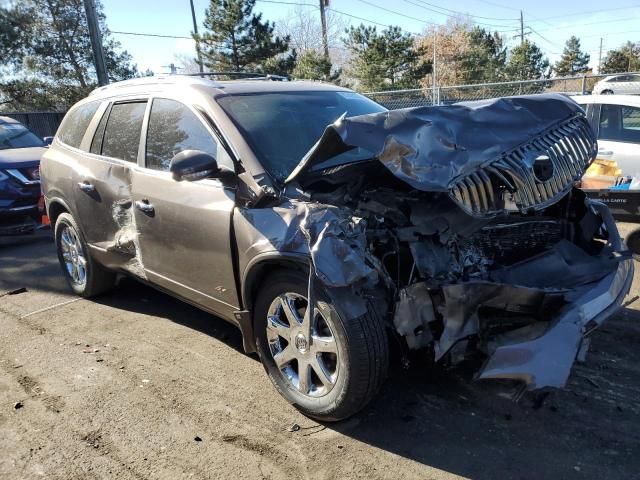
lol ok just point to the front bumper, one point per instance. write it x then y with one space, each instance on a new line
547 360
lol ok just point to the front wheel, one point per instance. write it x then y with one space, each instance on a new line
327 365
83 274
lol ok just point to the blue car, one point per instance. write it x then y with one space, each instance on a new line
20 153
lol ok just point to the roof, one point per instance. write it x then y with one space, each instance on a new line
631 100
138 85
8 120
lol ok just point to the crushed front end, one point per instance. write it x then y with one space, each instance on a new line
470 223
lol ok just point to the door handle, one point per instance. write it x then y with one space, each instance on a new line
145 207
606 153
86 187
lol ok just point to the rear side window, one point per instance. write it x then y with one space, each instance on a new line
620 123
75 123
172 129
122 132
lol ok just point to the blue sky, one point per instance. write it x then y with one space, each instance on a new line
552 21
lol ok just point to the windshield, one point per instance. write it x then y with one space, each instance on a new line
282 127
15 135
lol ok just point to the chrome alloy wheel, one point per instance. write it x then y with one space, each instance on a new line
303 346
73 255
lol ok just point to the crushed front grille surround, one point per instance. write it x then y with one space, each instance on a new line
532 176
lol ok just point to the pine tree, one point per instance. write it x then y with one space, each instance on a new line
386 59
237 39
623 59
46 52
312 65
526 62
485 58
573 60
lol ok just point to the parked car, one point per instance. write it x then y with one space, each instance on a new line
327 228
20 153
627 83
615 176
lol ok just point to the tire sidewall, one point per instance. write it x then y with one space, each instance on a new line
63 220
312 406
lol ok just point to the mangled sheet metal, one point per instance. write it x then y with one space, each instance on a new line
513 153
465 228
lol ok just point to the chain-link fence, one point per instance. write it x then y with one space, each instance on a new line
623 83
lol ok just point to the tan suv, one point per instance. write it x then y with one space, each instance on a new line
328 229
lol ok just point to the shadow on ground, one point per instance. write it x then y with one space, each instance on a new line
440 417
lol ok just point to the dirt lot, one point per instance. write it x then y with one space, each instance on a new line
138 385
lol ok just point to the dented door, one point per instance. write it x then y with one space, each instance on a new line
184 237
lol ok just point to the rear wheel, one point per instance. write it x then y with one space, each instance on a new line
86 277
325 364
607 92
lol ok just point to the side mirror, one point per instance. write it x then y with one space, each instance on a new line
191 165
47 140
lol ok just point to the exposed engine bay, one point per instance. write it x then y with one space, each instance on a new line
505 259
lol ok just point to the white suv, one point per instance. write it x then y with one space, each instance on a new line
619 84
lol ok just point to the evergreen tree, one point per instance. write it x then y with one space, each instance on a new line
623 59
313 65
47 55
484 59
386 59
573 59
237 39
526 62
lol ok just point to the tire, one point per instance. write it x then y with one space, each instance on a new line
340 384
633 242
606 92
85 277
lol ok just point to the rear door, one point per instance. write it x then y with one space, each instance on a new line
619 137
184 227
103 185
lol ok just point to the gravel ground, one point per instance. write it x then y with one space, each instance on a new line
135 384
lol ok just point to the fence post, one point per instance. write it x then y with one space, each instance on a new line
584 84
439 87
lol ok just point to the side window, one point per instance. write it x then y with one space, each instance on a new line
98 136
172 129
75 123
609 122
630 124
620 123
122 131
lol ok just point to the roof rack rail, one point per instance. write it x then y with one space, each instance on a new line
243 75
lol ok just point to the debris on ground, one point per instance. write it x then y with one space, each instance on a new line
18 405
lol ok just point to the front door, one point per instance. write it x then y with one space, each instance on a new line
184 228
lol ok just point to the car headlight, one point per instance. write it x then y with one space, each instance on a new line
3 176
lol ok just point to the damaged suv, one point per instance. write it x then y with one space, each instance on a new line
329 229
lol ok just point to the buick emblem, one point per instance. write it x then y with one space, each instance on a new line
301 343
543 168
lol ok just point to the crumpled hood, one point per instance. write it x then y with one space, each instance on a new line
21 157
430 147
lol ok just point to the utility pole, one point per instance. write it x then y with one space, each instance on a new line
600 58
195 32
96 42
323 21
521 28
433 67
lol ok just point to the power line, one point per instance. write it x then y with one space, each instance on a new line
150 35
339 12
467 13
450 15
294 4
584 12
397 13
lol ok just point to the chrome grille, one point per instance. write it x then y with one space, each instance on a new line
512 183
